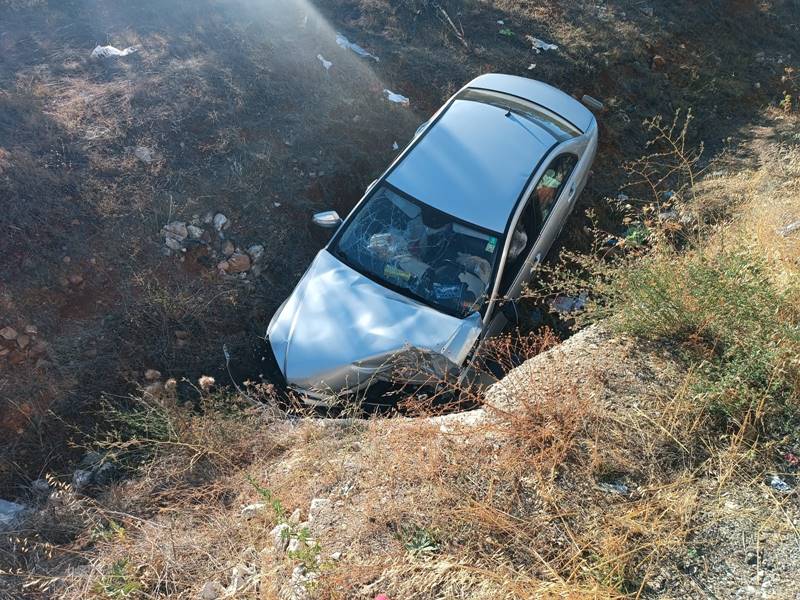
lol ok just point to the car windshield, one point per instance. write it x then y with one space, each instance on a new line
420 251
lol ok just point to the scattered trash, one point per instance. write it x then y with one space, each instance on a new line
348 45
569 304
395 146
792 459
789 229
106 51
144 154
506 32
325 63
501 22
396 98
614 488
592 103
539 45
10 513
531 66
778 484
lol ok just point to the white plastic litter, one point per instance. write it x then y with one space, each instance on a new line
348 45
395 146
539 45
325 63
569 304
531 66
106 51
789 229
501 22
396 98
779 484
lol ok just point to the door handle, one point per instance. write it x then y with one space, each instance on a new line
571 192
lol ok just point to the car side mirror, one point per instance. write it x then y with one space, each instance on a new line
328 219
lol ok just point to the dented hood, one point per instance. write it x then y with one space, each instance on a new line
339 328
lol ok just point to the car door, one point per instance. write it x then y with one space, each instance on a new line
546 209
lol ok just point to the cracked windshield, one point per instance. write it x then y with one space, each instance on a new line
422 252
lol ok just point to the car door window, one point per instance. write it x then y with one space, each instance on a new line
538 207
551 184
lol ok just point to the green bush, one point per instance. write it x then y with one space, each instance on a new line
726 313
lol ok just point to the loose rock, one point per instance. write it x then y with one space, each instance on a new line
220 221
212 590
176 229
658 63
256 251
40 487
80 479
8 333
194 232
251 510
144 154
75 279
152 375
238 263
279 538
23 341
317 506
228 248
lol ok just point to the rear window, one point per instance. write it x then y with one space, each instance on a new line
547 120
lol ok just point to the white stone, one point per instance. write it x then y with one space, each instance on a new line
220 221
144 154
256 251
212 590
251 510
317 506
172 243
279 538
176 229
194 232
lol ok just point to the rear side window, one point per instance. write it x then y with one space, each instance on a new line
551 184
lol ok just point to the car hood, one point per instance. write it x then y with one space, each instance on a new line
339 328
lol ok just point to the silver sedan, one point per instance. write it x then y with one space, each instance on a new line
424 268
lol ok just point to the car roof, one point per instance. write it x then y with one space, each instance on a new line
473 163
540 93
